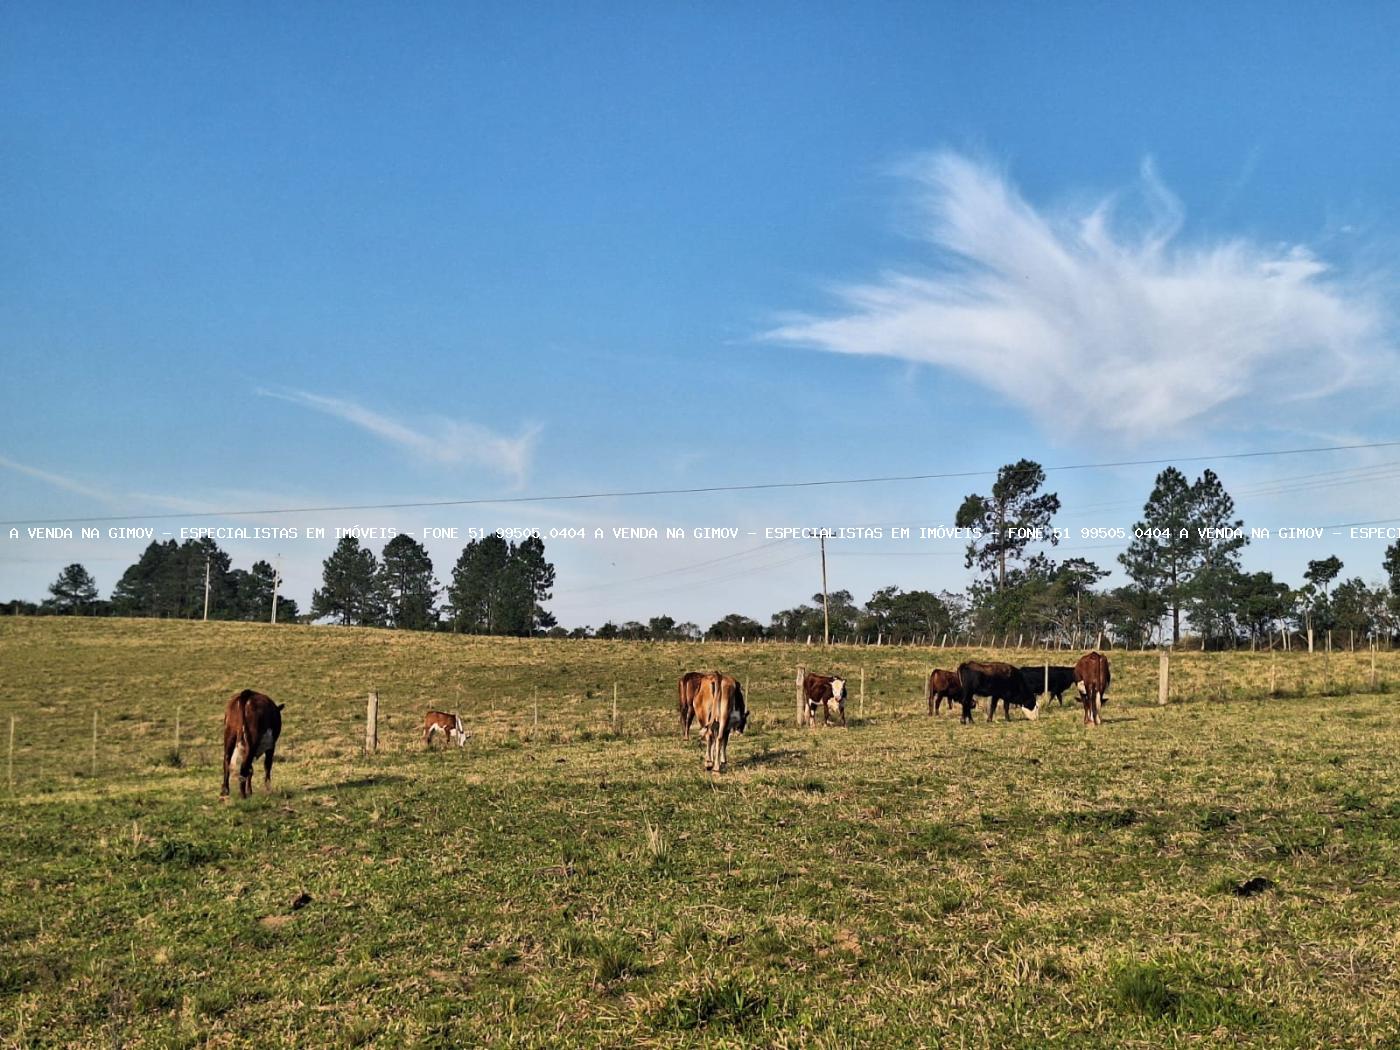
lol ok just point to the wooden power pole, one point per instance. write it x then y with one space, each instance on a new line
276 582
826 610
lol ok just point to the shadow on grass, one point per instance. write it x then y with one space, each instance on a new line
358 782
769 758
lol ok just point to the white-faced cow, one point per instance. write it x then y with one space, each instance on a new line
252 724
1061 681
996 681
823 690
720 710
1092 676
448 723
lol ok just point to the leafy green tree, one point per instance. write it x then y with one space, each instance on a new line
1358 608
1260 603
1187 531
734 626
349 589
168 580
74 592
1008 519
1132 613
407 585
897 613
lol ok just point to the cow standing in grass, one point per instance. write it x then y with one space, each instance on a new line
942 685
1092 676
996 681
252 724
448 723
686 691
823 690
720 710
1061 681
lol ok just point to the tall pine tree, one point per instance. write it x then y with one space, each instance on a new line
1008 518
350 587
407 585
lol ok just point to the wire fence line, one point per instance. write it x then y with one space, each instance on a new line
56 747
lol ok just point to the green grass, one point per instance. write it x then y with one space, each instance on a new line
909 881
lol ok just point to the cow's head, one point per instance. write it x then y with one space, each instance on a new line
458 735
738 716
838 690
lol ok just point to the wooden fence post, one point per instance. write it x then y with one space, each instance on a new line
177 731
862 692
1373 682
10 763
1273 673
536 727
614 718
94 742
1163 677
372 723
801 707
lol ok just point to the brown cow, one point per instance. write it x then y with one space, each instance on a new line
1092 676
943 685
824 690
449 724
720 709
252 724
687 689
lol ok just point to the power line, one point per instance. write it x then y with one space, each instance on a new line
700 490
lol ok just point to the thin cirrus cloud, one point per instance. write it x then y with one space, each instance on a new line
1110 322
445 441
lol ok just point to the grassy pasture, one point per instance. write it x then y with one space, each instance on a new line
1221 871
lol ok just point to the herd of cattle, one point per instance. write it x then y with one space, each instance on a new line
252 722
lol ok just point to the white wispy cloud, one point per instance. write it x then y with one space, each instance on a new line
1101 315
434 440
60 481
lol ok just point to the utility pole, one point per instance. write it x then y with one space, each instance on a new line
206 587
276 582
826 610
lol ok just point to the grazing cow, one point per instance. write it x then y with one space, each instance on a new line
448 723
997 681
1061 681
720 709
823 690
1092 676
687 689
252 724
942 685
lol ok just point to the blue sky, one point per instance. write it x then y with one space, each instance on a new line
333 254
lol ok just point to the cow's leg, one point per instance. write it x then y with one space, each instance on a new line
930 704
267 768
991 708
966 711
1098 708
228 756
723 749
841 710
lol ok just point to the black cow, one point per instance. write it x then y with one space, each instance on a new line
1061 681
996 681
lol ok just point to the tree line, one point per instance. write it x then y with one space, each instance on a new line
1183 565
1182 562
